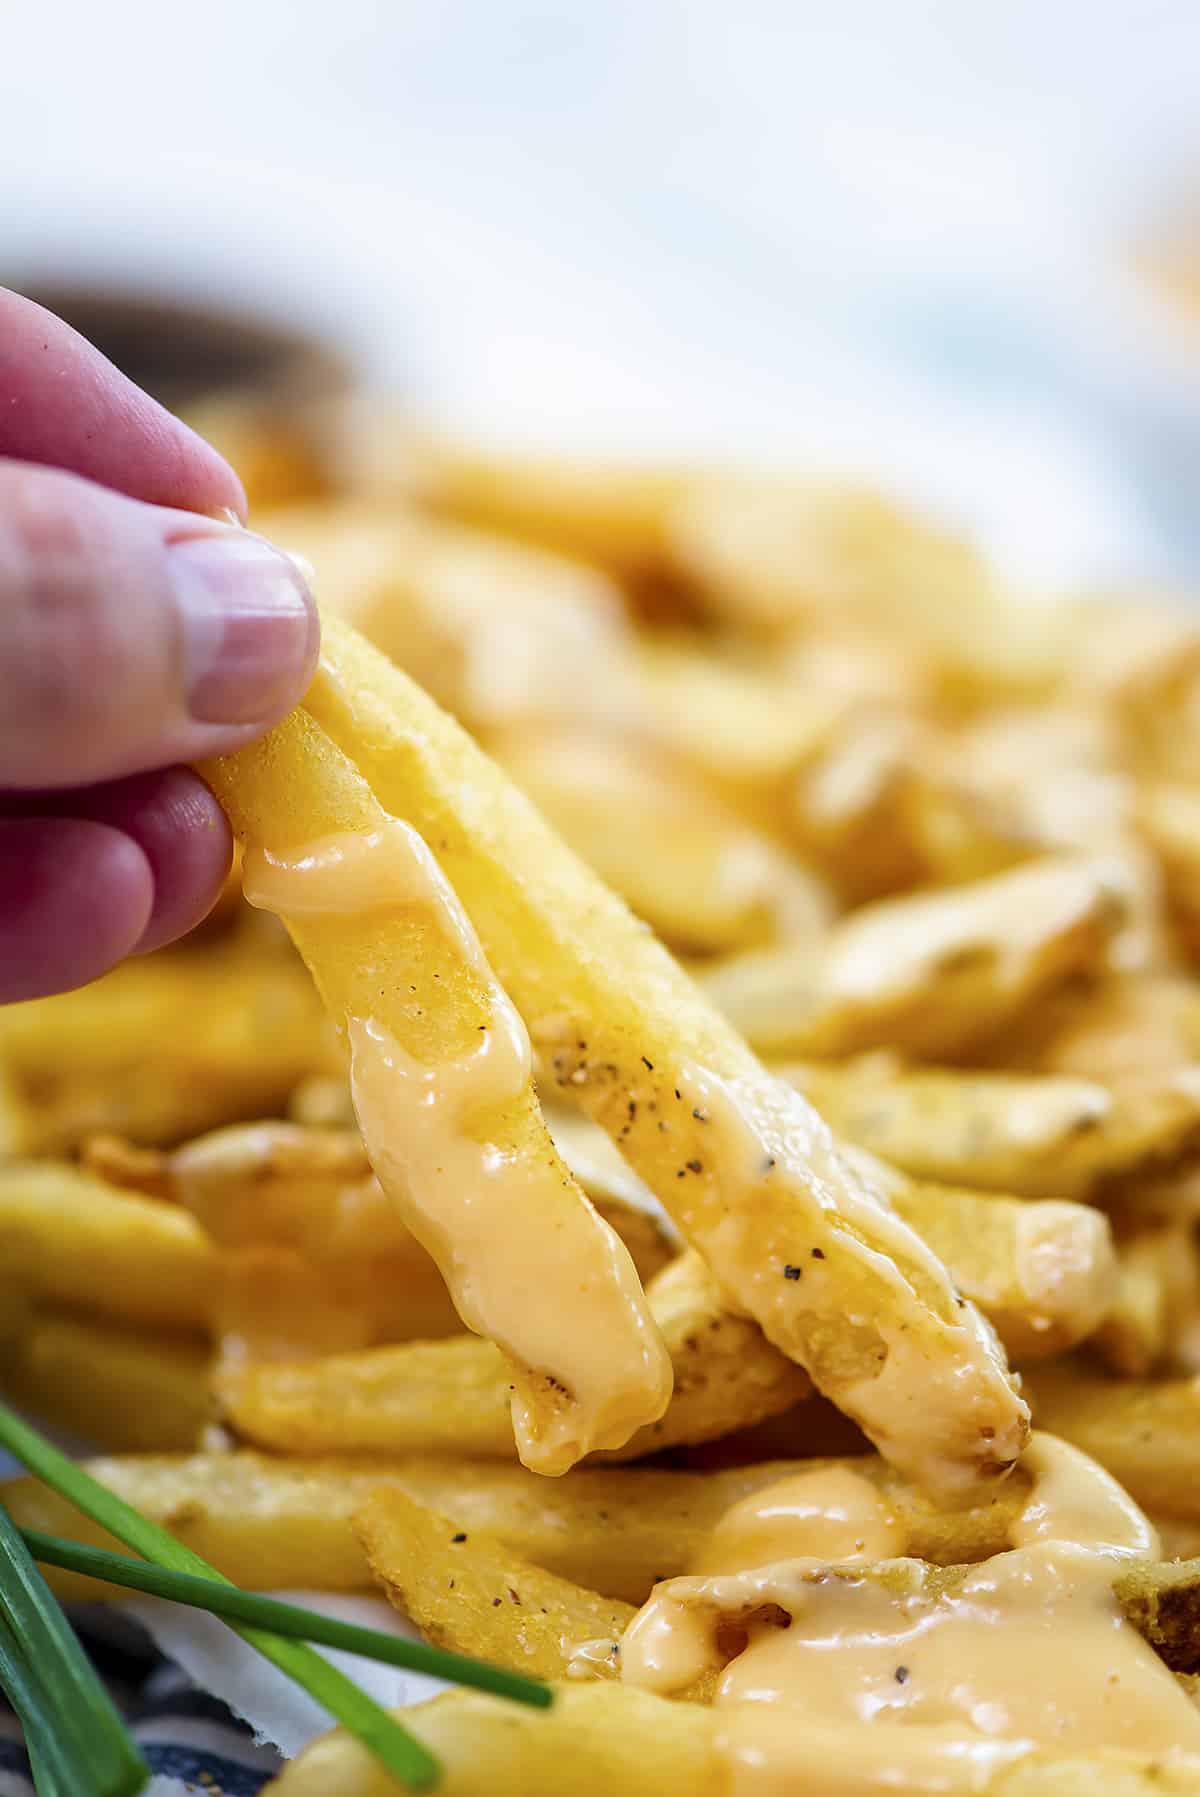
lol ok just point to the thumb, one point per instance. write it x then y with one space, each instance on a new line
133 637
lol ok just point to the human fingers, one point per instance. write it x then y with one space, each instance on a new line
64 405
174 820
132 637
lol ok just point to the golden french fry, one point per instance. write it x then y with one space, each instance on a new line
126 1165
1029 1134
501 634
118 1388
444 1093
771 552
876 810
1169 817
695 871
727 1374
315 1258
746 1169
603 1738
1144 1432
322 1101
744 727
1157 1299
285 1522
1044 1273
935 974
613 514
468 1591
417 1397
614 1738
265 1523
73 1239
452 1396
1116 1031
163 1047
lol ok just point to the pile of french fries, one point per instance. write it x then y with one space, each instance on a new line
925 854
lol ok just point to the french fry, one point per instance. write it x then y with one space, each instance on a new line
315 1258
603 1737
743 726
1028 1134
1169 817
123 1389
285 1522
126 1165
1117 1031
1044 1273
500 633
452 1396
269 1524
771 553
615 515
1157 1299
1144 1432
697 873
615 1738
877 812
468 1591
934 974
73 1239
727 1375
417 1397
407 973
745 1169
322 1101
162 1047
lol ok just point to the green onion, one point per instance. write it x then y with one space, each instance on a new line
55 1759
403 1755
86 1713
285 1619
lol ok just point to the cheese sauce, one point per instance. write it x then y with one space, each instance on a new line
503 1232
837 1682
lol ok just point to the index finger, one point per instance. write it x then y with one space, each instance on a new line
65 405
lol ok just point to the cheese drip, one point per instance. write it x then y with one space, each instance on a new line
528 1262
855 1682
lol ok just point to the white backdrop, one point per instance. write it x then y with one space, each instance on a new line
883 235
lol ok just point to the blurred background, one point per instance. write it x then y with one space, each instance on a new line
944 244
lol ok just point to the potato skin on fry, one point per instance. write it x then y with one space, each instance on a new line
468 1591
622 1030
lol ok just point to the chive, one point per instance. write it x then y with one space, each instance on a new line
84 1709
285 1619
400 1752
54 1758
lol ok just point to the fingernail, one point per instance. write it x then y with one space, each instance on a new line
249 626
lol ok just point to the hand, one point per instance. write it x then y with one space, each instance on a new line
137 632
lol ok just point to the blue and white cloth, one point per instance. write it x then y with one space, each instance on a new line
192 1742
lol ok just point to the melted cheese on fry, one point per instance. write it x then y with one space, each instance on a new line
907 1673
901 1385
465 1197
